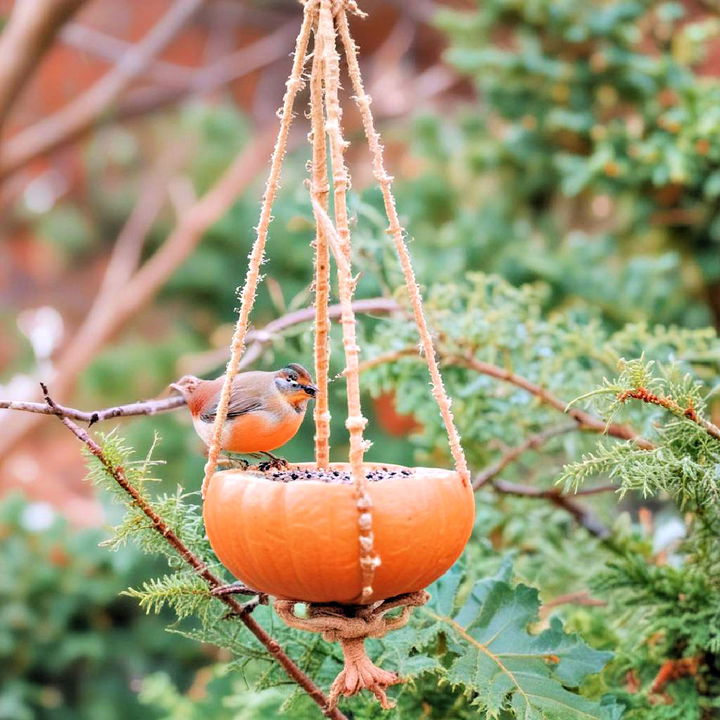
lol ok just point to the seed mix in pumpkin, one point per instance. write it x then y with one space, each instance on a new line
335 476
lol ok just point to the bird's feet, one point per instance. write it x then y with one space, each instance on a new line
272 463
233 463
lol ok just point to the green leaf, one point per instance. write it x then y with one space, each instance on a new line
503 667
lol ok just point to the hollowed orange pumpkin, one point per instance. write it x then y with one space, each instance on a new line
299 540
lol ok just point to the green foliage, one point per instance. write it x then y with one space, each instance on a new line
597 119
669 605
70 646
498 664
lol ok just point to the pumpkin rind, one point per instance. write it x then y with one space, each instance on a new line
299 540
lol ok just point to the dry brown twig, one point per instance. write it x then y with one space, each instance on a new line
198 565
108 47
26 37
257 55
690 413
582 515
583 420
77 116
259 338
531 443
151 276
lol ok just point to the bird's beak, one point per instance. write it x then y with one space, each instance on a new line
311 390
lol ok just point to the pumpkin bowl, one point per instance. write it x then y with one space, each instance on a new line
293 534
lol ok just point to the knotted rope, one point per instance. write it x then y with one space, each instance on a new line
349 626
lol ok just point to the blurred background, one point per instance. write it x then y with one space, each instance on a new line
572 144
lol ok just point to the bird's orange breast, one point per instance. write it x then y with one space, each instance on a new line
260 431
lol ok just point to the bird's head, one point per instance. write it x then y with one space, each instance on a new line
186 386
295 383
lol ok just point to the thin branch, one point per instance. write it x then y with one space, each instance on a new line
579 597
198 565
80 114
127 250
582 515
25 39
596 490
143 407
241 63
673 406
531 443
259 339
585 420
111 48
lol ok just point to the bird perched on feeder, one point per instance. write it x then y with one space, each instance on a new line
265 409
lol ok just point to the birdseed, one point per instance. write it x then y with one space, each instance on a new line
342 477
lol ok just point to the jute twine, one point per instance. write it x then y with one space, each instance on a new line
325 20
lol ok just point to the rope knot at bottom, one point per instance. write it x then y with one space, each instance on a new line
349 625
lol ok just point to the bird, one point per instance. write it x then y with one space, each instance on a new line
265 409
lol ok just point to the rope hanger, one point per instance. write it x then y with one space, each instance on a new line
325 20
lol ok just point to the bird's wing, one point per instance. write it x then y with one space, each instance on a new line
240 404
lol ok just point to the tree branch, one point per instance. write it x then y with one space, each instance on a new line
534 441
582 515
141 101
111 48
259 338
668 403
585 420
76 117
25 39
142 407
198 565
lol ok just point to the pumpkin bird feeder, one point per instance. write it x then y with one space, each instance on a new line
350 540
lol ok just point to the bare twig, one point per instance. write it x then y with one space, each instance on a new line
111 48
76 117
198 565
224 71
259 339
584 419
126 252
531 443
26 37
579 597
143 407
582 515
